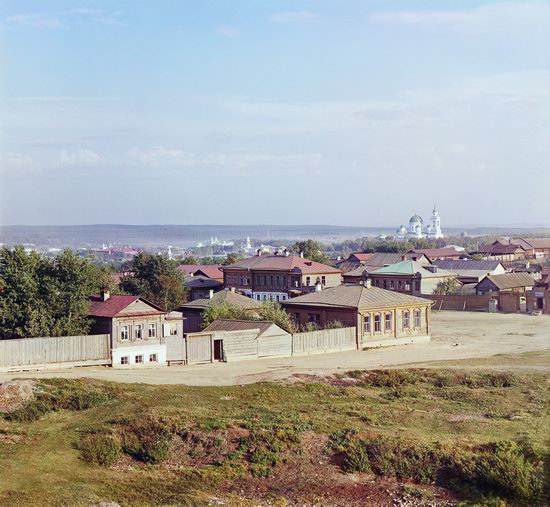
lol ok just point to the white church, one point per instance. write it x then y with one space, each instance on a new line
416 229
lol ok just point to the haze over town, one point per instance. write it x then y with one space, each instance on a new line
285 112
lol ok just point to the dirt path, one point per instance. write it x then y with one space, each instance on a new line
455 336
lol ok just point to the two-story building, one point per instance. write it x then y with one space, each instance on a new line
138 328
279 277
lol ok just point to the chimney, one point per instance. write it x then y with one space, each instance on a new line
318 286
286 252
259 252
105 294
368 283
210 293
301 254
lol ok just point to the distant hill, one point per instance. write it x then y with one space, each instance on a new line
185 235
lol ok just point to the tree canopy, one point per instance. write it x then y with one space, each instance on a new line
40 296
269 310
157 279
312 250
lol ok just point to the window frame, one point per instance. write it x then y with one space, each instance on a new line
153 358
122 333
138 330
388 318
138 359
152 327
406 319
125 360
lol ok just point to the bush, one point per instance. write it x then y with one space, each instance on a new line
100 448
60 394
147 439
356 459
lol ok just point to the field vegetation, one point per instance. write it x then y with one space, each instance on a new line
427 437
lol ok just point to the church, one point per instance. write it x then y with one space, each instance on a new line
416 229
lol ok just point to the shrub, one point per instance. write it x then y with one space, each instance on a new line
31 411
100 448
356 459
334 324
147 439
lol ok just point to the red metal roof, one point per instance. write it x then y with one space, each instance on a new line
282 263
114 305
209 270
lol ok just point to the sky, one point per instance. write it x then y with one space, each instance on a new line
355 112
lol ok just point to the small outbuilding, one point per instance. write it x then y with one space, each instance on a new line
508 282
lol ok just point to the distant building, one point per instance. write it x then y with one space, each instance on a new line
280 276
537 248
417 230
508 282
410 277
500 251
440 253
470 271
358 262
212 271
202 287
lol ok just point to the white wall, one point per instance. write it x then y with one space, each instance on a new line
144 350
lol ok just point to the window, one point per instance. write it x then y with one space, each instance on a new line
377 323
417 318
406 320
385 284
314 317
392 285
139 359
277 296
124 334
297 317
125 360
324 280
152 330
400 285
153 358
367 325
407 286
308 280
388 323
277 281
417 285
138 332
173 330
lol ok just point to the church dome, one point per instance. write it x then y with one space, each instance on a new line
416 219
402 230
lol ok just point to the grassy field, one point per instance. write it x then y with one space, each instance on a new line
268 444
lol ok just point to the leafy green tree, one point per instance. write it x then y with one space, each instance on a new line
231 258
190 259
312 250
448 287
269 310
157 279
40 296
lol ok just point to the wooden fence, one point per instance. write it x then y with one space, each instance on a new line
62 351
325 340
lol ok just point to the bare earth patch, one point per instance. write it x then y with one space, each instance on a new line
15 394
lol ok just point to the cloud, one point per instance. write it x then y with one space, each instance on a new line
497 17
34 20
82 157
16 161
227 31
158 154
97 15
294 17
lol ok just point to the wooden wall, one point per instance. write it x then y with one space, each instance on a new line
62 351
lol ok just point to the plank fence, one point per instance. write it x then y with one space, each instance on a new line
58 352
325 340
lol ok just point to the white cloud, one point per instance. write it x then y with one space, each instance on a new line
158 155
15 161
497 17
82 157
227 31
294 17
34 20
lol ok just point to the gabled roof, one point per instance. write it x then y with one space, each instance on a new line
434 253
498 248
371 261
510 280
411 268
202 282
224 296
531 243
115 304
467 265
241 325
357 297
282 263
208 270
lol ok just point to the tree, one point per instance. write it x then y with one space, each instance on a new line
45 297
448 287
312 250
190 259
157 279
270 310
231 258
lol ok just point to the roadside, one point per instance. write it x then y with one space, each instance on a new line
456 336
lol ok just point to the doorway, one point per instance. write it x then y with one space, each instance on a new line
218 350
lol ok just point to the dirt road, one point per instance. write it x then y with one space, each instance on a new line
455 335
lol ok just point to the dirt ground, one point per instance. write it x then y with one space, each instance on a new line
455 336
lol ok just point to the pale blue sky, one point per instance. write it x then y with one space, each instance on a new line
274 111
